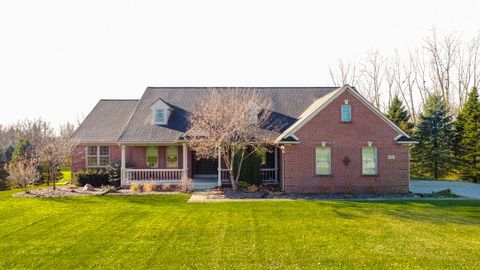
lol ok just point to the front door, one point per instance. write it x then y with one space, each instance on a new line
205 166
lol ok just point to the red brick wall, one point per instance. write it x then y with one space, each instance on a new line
346 140
135 154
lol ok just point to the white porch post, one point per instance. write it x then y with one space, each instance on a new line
276 163
123 180
185 160
219 167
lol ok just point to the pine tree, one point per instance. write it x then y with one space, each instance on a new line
467 139
399 115
432 156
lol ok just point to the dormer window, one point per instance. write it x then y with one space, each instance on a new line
161 112
160 116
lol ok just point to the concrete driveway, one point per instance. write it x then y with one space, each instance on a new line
460 188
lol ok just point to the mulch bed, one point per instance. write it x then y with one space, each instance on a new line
70 191
226 193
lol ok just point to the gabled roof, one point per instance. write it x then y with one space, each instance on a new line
319 104
129 121
105 122
287 105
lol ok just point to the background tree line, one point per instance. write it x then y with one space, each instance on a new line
432 94
32 150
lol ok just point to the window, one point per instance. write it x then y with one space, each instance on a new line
160 116
172 157
346 113
323 161
98 156
369 161
152 157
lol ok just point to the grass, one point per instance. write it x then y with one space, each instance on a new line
164 232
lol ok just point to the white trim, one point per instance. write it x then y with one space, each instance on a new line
166 158
185 160
318 105
146 156
98 156
414 142
329 160
123 180
376 162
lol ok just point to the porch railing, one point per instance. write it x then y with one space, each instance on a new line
153 175
269 176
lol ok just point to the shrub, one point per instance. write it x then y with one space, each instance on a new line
166 187
243 185
351 189
96 178
115 170
149 187
136 187
23 173
372 190
250 171
185 185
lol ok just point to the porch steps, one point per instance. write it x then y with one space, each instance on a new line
204 182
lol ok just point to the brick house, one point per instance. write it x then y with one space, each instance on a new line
332 140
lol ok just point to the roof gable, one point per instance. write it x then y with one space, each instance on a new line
318 105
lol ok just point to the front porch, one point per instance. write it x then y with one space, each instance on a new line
167 163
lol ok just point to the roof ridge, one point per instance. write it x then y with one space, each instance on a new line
245 87
119 99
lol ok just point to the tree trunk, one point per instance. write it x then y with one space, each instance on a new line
53 175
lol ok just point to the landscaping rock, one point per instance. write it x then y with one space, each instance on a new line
88 187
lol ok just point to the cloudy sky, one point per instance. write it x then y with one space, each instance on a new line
58 58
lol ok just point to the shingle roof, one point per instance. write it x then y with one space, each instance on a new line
288 103
105 122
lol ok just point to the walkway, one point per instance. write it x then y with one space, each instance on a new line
465 189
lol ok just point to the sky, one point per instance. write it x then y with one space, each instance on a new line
58 58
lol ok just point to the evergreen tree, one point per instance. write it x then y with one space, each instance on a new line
432 156
399 115
23 148
467 139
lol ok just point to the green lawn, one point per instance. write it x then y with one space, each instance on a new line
165 232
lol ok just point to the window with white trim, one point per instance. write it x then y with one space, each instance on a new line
152 157
323 160
369 160
172 157
160 116
346 113
98 156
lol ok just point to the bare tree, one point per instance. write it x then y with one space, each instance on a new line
230 122
372 77
443 55
54 151
23 172
346 74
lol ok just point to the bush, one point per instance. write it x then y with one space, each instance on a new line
115 170
250 171
166 187
136 187
149 187
185 185
96 178
243 185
